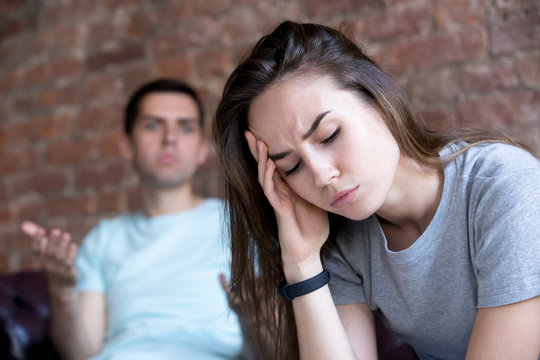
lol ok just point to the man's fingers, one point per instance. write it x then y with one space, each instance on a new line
71 254
32 229
224 283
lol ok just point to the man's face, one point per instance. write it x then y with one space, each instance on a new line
167 142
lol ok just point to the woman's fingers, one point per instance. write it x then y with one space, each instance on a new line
252 143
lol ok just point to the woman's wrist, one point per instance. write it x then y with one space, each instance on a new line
300 271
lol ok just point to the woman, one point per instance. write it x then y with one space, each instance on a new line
326 167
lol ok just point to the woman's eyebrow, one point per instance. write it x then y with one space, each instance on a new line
314 126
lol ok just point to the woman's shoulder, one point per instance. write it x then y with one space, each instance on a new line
494 159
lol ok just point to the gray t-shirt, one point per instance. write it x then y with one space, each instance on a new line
481 249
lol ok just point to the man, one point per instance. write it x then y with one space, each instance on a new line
145 285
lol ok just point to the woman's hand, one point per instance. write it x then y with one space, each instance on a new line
303 227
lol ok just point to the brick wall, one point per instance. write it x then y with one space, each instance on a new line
66 67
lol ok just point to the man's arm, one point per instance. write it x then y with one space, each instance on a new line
78 320
507 332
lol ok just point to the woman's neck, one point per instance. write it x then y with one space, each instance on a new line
411 203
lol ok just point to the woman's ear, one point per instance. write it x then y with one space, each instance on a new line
252 143
125 147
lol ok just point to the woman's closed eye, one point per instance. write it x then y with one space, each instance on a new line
328 140
332 137
293 169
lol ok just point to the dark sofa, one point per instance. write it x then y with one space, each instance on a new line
24 315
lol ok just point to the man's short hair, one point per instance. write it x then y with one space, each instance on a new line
156 86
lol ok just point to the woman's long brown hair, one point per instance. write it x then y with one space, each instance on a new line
294 49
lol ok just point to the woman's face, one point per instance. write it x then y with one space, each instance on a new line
330 146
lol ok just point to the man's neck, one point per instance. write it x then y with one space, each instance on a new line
169 201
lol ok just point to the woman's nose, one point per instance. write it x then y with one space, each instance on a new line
323 171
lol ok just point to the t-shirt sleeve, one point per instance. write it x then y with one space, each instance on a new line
346 285
506 237
89 263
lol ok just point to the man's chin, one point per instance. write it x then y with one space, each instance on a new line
164 184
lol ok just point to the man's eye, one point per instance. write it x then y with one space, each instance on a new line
332 137
187 128
151 125
293 170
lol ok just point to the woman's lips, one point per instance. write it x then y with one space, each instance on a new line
342 198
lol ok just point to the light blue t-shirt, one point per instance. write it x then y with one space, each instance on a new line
481 249
161 280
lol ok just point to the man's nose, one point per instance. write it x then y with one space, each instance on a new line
170 135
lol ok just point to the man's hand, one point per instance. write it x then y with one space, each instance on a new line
56 254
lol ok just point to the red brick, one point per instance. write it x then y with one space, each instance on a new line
489 77
508 8
70 152
392 24
112 201
68 67
4 263
214 63
13 53
439 50
241 25
9 80
101 174
201 32
4 197
102 117
101 86
7 6
501 110
67 12
210 7
120 55
38 74
66 94
115 4
100 32
70 205
38 129
68 38
529 70
79 228
6 217
133 77
437 117
516 34
43 182
172 12
28 105
141 22
15 161
176 66
11 27
18 241
31 209
450 14
325 7
433 85
109 145
527 135
42 43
